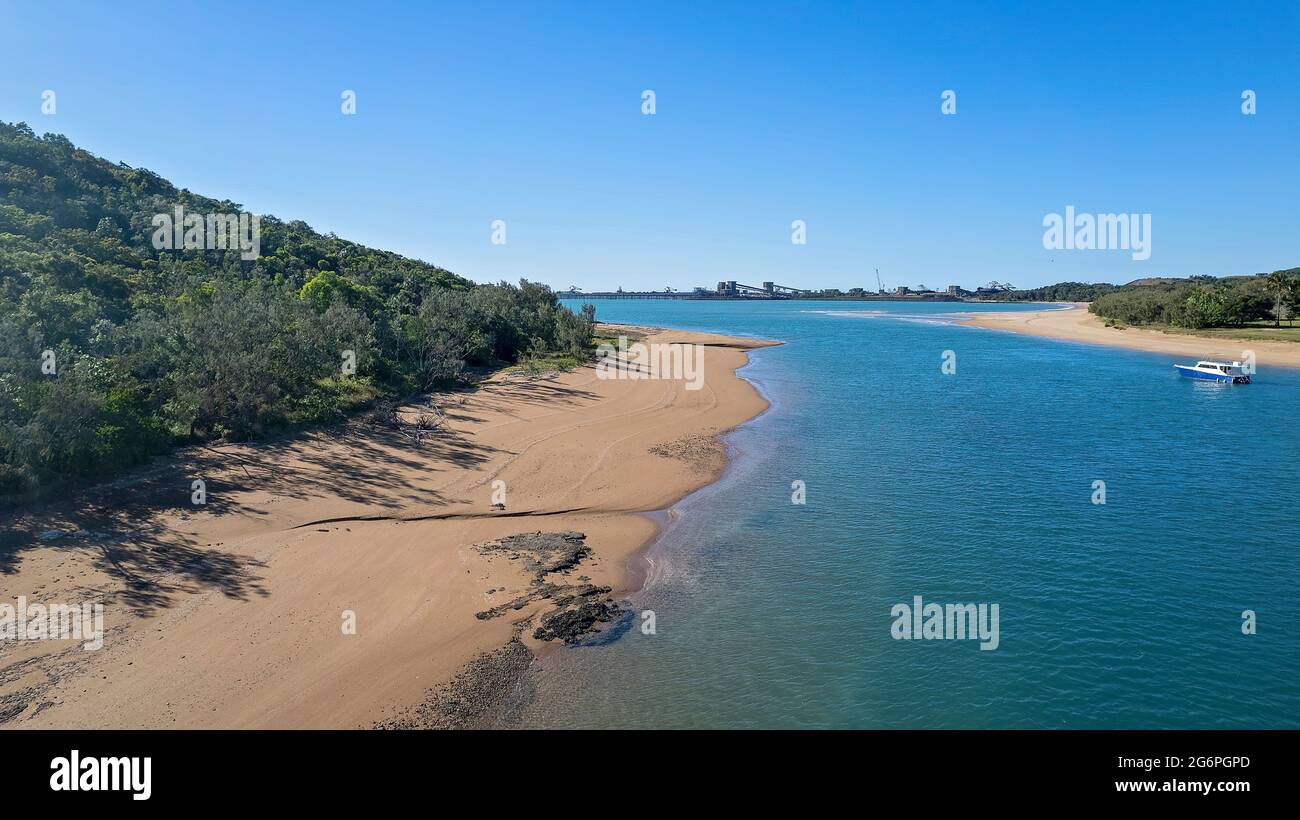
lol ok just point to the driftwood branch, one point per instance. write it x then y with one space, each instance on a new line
427 421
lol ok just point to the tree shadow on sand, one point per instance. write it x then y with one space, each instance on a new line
122 538
503 396
134 528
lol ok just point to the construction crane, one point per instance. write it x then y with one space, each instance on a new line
880 287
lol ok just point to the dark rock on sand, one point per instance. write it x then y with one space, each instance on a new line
578 607
475 698
542 552
569 625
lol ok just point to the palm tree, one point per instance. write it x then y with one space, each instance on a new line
1279 283
1292 300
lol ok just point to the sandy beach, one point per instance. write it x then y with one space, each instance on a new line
1078 325
234 614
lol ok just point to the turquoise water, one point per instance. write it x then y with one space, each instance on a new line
974 487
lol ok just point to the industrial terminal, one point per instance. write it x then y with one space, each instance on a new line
732 289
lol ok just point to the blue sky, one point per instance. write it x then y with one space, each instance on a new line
766 113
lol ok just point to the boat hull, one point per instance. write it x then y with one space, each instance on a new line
1193 373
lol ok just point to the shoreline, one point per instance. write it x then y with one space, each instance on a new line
1076 324
229 615
636 574
664 519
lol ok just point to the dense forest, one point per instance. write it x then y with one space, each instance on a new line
113 349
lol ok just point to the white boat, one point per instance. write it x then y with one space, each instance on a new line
1215 371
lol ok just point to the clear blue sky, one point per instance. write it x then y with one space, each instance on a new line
766 113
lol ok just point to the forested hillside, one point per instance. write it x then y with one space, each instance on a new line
113 349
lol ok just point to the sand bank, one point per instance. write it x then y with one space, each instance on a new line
1078 325
233 614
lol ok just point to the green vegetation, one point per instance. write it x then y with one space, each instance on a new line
1205 302
150 347
541 365
1060 292
612 340
1257 331
1242 304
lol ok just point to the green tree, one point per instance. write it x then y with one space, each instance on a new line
1292 300
1202 307
1279 285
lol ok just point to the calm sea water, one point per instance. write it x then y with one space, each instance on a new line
975 487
